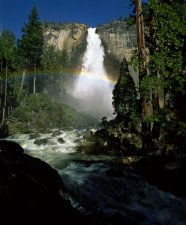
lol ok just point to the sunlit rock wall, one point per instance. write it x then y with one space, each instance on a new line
119 42
118 39
69 36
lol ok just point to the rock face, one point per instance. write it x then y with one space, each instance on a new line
31 192
118 40
69 37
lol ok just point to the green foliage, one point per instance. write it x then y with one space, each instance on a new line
99 25
8 51
170 34
53 59
165 32
130 21
136 63
31 45
159 117
40 113
165 35
53 25
149 83
125 94
7 64
76 56
120 18
60 25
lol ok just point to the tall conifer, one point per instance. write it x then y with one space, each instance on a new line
31 44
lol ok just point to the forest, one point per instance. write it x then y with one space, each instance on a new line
161 91
148 131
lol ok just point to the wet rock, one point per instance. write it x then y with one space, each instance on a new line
61 140
10 150
33 136
114 172
87 134
130 159
164 171
56 133
92 131
117 139
105 143
42 141
4 131
31 192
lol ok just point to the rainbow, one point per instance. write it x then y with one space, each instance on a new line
77 73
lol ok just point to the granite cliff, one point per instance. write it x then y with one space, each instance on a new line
70 37
118 41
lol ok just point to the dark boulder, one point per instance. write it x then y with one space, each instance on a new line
33 136
56 133
10 150
31 192
61 140
41 141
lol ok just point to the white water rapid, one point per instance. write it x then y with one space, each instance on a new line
94 188
93 89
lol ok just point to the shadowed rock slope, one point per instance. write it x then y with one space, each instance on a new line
31 192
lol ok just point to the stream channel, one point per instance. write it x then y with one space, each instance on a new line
93 186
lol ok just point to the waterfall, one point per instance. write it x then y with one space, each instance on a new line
93 89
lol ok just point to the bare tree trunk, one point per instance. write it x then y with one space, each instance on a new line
34 85
3 115
145 100
5 94
156 90
1 100
34 82
141 36
22 80
61 95
6 81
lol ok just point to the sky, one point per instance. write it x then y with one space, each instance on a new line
14 13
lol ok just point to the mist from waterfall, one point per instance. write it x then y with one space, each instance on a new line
93 89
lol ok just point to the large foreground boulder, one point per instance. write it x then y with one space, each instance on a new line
31 192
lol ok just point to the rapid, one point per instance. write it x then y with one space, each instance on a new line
97 183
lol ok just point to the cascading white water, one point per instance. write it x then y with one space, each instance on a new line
93 88
94 189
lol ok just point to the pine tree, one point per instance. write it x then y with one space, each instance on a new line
7 50
170 30
125 95
54 59
165 41
8 63
31 45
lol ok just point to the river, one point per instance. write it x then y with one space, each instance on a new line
96 183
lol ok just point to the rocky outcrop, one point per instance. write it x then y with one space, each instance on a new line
31 192
68 37
113 138
119 41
